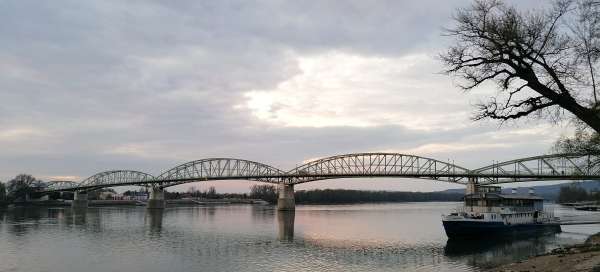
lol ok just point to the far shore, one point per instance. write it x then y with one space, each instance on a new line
192 201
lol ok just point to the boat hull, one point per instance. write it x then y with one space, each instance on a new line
474 229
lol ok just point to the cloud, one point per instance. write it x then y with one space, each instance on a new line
16 134
146 85
340 89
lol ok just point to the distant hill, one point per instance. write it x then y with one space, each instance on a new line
548 192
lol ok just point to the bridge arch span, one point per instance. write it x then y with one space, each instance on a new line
219 169
114 178
59 185
377 165
565 166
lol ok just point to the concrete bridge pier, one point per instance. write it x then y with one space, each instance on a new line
472 186
80 200
156 199
285 200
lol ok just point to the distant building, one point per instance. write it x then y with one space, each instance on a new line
141 196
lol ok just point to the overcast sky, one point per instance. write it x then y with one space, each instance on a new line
88 86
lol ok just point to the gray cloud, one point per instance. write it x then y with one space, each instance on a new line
89 86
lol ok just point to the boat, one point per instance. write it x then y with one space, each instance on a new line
488 212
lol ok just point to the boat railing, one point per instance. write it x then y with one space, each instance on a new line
502 210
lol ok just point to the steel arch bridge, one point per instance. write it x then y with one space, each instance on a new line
377 165
112 178
359 165
219 169
199 170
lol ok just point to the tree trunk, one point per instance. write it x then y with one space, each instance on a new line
565 101
586 115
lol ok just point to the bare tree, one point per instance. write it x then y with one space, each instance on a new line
543 61
21 186
265 192
212 192
2 191
583 142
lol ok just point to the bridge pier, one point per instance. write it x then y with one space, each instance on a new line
285 200
80 200
156 199
472 186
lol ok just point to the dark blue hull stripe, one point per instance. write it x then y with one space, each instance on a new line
472 228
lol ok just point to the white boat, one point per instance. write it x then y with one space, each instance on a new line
487 211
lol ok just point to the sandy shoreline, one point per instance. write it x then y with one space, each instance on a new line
583 257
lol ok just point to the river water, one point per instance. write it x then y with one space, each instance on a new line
365 237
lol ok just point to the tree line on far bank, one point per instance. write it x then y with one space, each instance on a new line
574 193
341 196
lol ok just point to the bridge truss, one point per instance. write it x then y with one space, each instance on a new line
111 178
219 169
377 165
370 165
547 167
60 185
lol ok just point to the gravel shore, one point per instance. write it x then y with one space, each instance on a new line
584 257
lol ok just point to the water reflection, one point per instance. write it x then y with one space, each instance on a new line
262 214
210 211
26 218
285 223
79 217
490 252
390 237
154 218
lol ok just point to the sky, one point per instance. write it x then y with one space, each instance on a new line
89 86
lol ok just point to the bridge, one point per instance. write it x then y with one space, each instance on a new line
566 166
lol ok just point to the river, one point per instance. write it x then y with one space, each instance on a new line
365 237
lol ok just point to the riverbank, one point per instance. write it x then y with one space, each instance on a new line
583 257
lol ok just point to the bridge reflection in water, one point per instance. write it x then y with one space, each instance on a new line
285 225
367 237
154 219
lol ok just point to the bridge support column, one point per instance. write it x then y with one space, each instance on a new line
80 200
472 186
156 199
285 200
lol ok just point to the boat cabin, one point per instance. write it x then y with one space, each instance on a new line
491 199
